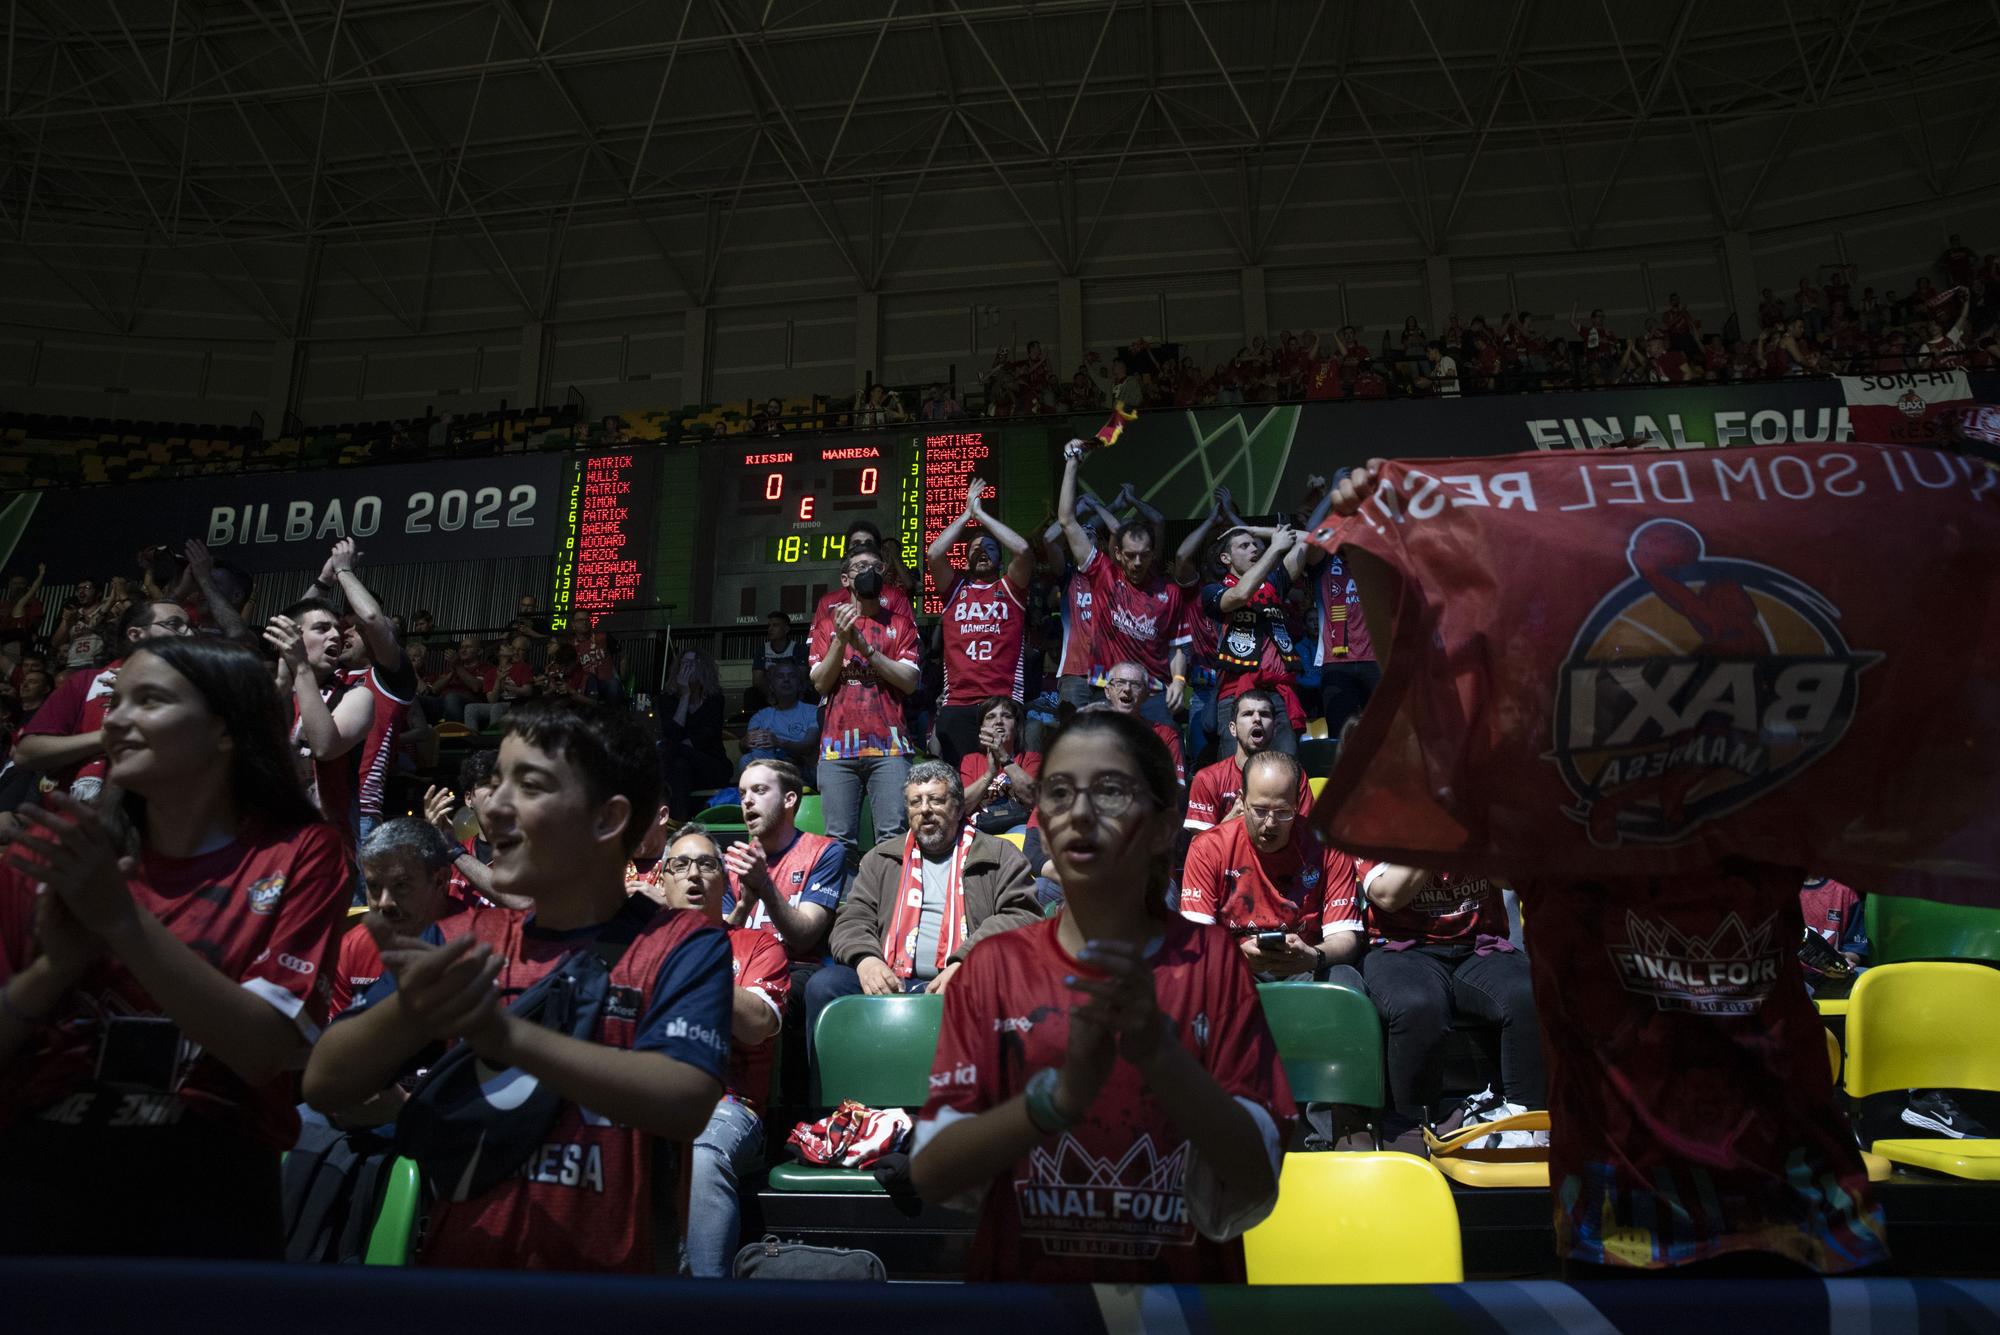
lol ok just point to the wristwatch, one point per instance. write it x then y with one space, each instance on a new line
1040 1093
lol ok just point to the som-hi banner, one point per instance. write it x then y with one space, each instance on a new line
1264 453
445 510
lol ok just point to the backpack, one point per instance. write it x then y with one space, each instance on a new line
333 1182
470 1126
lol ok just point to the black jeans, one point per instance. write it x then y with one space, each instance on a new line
1420 990
1344 689
957 730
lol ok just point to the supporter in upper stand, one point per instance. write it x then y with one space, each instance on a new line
528 620
152 1008
1138 614
999 778
373 658
20 609
937 405
1127 690
1600 345
330 717
1266 874
79 625
1255 648
66 737
464 678
508 682
692 752
920 901
406 874
1215 790
780 646
731 1146
983 621
1113 1032
864 665
1681 328
863 536
1439 950
578 786
1957 263
217 594
788 728
881 407
1771 310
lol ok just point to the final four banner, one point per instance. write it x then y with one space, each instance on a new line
1264 453
1614 664
446 510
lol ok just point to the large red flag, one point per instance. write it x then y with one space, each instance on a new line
1608 664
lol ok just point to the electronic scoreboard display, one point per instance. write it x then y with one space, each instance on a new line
727 532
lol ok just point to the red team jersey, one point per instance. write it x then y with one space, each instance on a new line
74 707
1691 1110
758 964
1305 887
1135 625
862 715
894 601
584 1200
1216 788
1343 631
1829 908
263 910
1109 1199
334 785
378 748
1447 910
1079 641
983 628
811 870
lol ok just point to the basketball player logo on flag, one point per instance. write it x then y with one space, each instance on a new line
1694 686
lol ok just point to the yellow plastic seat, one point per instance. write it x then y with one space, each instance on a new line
1359 1218
1878 1167
1830 1007
1018 838
1525 1167
1316 783
1316 727
1928 1026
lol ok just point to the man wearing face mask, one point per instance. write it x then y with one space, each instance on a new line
864 666
863 536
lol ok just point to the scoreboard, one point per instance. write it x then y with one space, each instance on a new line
727 532
782 512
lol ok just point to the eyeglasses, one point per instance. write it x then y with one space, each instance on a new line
1274 815
708 866
174 624
1124 684
1110 796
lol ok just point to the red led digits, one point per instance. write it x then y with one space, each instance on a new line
774 486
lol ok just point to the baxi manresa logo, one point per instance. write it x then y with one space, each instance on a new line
1694 687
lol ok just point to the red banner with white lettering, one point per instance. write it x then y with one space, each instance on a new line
1612 663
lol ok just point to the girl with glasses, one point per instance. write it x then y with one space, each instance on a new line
1105 1086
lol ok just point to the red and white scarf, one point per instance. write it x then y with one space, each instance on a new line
903 924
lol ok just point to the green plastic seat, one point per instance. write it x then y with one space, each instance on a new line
1901 930
811 818
877 1051
727 814
1330 1040
396 1221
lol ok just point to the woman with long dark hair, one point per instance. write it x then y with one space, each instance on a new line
159 969
1105 1084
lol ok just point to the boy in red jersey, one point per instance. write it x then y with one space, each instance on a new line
1255 648
578 784
983 623
1692 1115
1268 872
731 1145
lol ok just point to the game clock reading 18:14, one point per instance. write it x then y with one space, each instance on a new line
781 533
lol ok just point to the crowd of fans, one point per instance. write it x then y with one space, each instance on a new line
1097 745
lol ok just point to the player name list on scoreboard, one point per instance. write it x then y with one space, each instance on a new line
604 574
951 461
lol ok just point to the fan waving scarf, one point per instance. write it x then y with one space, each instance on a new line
1609 663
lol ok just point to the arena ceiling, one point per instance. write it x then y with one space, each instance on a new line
178 122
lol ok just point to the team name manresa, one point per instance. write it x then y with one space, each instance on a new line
567 1164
